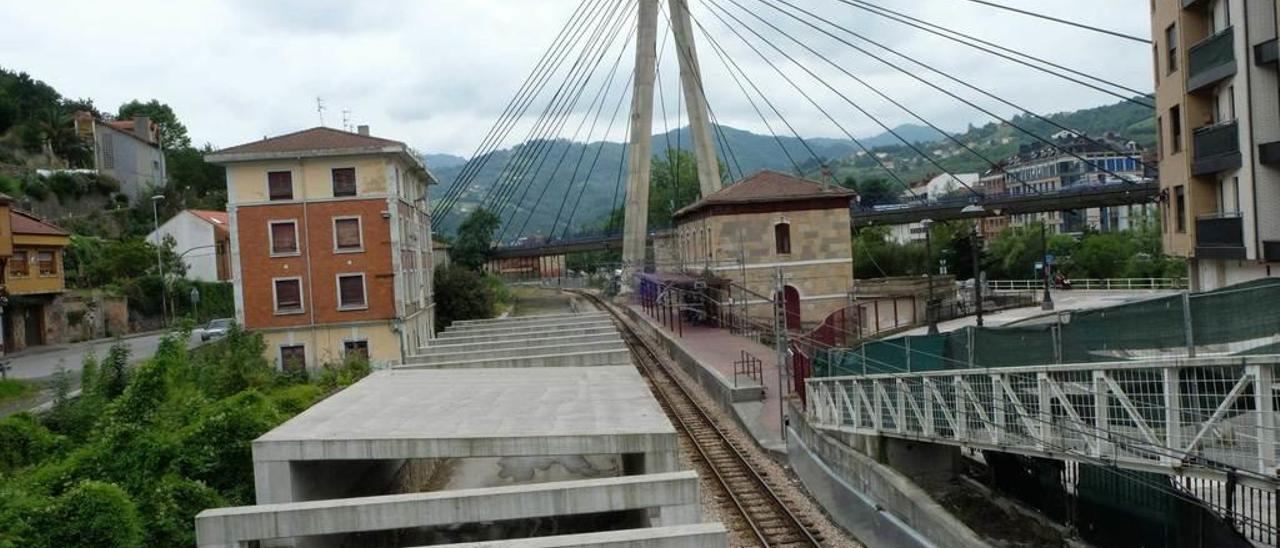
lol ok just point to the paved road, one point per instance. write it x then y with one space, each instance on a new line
40 364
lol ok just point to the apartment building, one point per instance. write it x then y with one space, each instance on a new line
128 151
1218 113
330 245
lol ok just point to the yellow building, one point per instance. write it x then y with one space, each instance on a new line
32 250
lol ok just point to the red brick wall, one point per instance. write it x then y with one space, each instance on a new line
319 286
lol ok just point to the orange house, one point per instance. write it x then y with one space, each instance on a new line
33 276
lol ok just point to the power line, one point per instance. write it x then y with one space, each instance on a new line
1064 21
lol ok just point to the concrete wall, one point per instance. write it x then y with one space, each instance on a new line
324 344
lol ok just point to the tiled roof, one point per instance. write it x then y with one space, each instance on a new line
769 186
314 139
22 222
219 219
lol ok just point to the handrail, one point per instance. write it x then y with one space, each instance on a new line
1094 284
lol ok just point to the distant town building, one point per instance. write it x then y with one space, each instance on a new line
947 185
331 245
203 241
770 222
1219 132
126 150
33 275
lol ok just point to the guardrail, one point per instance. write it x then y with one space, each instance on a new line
1090 284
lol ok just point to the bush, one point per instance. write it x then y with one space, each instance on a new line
35 188
234 364
171 507
217 448
297 398
93 514
342 375
24 442
461 294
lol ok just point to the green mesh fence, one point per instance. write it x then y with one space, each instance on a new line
1238 320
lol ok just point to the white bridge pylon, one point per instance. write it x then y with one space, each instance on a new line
1179 416
640 151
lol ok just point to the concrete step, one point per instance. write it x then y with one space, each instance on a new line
560 359
574 322
527 319
702 535
527 329
442 346
490 354
462 338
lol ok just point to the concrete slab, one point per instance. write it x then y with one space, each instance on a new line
517 343
702 535
528 319
468 338
535 348
408 414
550 359
674 494
536 328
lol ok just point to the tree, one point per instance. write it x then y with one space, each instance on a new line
92 514
461 294
173 135
472 247
872 192
673 184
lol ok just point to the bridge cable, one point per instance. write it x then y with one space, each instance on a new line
533 85
950 137
985 92
1039 15
800 89
577 202
535 154
1003 52
865 112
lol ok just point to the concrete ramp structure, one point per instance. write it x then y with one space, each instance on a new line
542 428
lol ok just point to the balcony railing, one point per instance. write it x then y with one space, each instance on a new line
1217 148
1211 60
1220 236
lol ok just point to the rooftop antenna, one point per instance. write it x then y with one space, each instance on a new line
346 120
320 110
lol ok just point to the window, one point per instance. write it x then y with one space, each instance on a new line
344 182
1175 129
1159 141
347 235
293 358
1171 43
48 263
782 238
351 292
18 266
288 296
280 185
1180 208
284 238
358 350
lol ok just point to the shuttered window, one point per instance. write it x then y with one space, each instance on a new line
18 265
48 263
284 238
782 238
346 234
289 296
280 185
351 291
356 350
344 182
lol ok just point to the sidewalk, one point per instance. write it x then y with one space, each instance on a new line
715 351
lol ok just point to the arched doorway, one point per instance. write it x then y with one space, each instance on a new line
790 299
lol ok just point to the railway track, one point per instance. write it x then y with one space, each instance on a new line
755 498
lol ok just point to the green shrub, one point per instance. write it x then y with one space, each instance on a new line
10 186
93 514
234 364
344 374
113 372
170 508
25 442
295 399
217 448
35 188
461 294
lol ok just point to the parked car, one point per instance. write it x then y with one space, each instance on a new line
216 329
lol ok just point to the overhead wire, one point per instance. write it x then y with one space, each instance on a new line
1067 22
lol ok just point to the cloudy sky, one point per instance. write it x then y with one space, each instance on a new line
438 73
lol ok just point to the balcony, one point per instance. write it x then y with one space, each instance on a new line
1216 148
1269 153
1212 60
1188 4
1266 53
1220 236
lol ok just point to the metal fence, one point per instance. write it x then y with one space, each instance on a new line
1090 284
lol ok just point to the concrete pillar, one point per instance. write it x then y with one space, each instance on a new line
273 482
640 154
704 144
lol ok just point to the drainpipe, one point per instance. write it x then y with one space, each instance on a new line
1253 147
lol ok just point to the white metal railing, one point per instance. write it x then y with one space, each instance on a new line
1094 284
1204 415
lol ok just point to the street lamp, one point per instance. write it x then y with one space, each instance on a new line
930 315
1047 303
164 298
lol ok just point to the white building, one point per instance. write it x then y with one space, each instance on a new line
204 240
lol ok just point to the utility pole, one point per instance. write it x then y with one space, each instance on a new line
930 305
640 152
704 143
164 289
1047 303
780 339
975 242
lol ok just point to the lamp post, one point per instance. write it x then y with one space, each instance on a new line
975 243
164 298
930 315
1047 303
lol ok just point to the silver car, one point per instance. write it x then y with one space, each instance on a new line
216 329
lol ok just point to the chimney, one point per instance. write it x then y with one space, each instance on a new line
142 128
363 130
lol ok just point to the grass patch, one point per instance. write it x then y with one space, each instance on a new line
12 389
